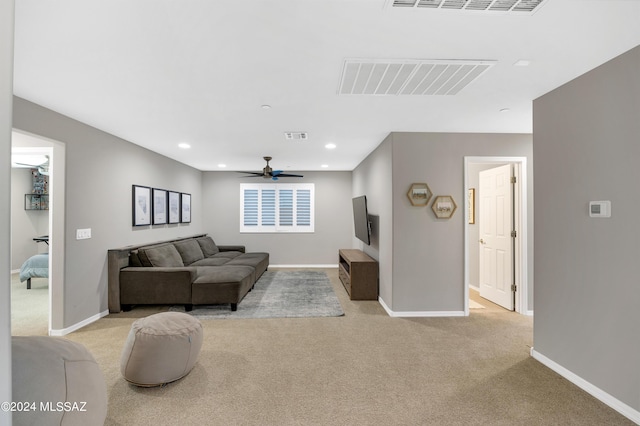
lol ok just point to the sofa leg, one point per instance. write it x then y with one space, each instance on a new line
188 308
29 283
234 306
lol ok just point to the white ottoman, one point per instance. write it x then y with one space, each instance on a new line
161 348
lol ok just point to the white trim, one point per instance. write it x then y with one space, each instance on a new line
305 266
421 314
77 326
521 219
15 271
57 189
591 389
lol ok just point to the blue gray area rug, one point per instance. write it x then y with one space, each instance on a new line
280 294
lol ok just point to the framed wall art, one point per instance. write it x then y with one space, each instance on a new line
419 194
159 206
141 205
444 206
174 207
185 208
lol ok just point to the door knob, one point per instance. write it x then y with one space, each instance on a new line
482 241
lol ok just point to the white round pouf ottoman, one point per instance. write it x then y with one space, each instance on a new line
161 348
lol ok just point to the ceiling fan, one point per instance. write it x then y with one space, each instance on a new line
269 173
35 162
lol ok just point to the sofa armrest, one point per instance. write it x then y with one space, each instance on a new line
156 285
232 248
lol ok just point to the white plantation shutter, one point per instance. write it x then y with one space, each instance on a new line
277 207
268 207
250 199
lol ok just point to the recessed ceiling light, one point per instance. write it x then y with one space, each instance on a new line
222 166
505 110
324 166
522 63
330 146
184 145
265 106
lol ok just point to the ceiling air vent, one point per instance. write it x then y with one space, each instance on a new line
296 136
409 77
472 5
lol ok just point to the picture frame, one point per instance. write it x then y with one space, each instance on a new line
174 207
444 206
419 194
159 210
141 205
185 208
472 206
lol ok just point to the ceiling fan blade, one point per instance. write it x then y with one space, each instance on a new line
288 175
252 173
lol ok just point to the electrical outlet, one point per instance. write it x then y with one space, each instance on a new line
83 234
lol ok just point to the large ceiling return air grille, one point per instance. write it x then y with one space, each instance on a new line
473 5
409 77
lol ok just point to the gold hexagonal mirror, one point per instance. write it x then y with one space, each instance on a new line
419 194
444 206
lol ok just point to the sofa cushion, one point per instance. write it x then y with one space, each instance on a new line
211 261
134 259
208 246
163 255
189 250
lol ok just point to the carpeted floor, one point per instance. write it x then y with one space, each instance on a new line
280 294
29 308
364 368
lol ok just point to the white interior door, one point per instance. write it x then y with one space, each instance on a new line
496 244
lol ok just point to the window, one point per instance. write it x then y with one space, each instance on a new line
276 207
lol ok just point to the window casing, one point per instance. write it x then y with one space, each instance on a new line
277 207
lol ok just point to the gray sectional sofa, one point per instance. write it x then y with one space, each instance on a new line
189 271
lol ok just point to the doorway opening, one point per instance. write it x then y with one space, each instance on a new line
472 241
55 152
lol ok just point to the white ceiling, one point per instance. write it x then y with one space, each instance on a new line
161 72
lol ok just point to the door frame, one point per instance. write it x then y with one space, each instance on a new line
520 225
57 187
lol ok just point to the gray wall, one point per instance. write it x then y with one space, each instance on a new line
427 264
100 169
6 91
373 178
586 149
333 219
25 224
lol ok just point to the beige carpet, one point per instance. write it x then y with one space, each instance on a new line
29 308
364 368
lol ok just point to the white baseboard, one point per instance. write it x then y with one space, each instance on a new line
476 288
407 314
335 265
596 392
65 331
15 271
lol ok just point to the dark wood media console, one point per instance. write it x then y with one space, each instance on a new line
359 274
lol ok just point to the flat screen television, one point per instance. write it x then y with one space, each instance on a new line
361 219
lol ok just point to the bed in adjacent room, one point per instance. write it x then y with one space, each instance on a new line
36 266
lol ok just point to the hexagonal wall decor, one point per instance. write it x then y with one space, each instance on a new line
444 206
419 194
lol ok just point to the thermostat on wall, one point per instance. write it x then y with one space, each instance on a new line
600 208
